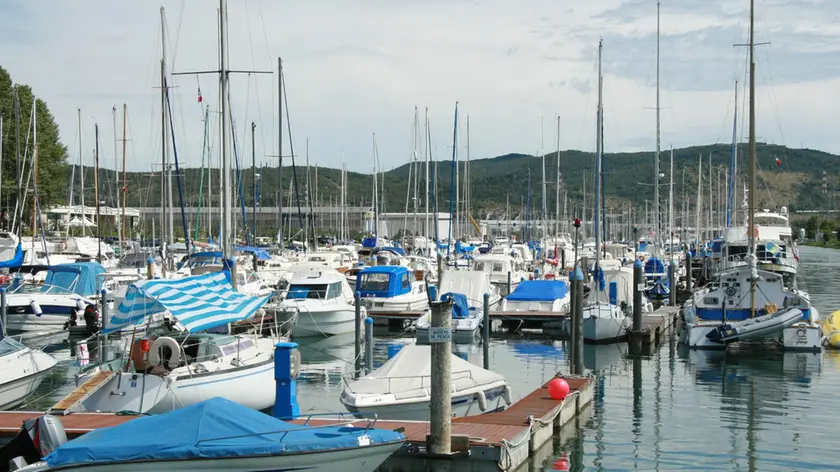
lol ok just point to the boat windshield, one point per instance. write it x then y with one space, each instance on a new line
374 282
20 287
310 291
9 345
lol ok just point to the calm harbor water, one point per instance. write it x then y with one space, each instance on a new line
753 408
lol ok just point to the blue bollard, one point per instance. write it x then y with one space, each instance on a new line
285 397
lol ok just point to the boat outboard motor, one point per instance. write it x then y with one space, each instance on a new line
91 318
36 439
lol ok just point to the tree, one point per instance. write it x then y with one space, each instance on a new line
52 154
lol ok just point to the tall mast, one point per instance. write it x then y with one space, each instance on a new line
598 152
544 208
124 187
375 193
254 182
96 194
116 202
656 223
671 206
163 141
224 129
280 150
428 152
752 158
557 188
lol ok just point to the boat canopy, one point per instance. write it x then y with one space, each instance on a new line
460 307
408 374
78 277
15 261
211 429
199 302
539 291
262 254
384 281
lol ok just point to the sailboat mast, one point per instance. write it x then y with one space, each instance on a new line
224 129
598 152
124 187
163 219
657 229
96 194
557 188
280 150
752 157
544 209
427 233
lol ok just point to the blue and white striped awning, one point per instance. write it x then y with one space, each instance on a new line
199 303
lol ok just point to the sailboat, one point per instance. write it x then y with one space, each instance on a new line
745 302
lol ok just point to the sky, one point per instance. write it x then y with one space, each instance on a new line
357 68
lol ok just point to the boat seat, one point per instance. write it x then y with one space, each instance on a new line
413 393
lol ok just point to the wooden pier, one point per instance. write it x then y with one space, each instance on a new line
655 326
503 440
75 424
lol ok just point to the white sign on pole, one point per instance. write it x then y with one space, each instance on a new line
440 335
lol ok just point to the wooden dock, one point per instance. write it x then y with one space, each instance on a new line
655 326
494 441
75 424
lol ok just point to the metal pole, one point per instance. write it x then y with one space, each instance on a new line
3 310
688 281
638 286
358 306
485 338
103 301
439 441
573 288
672 282
150 268
578 315
509 286
369 344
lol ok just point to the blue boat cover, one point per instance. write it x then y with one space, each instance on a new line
78 277
370 281
15 261
460 309
199 303
654 266
396 250
369 242
215 428
539 291
262 254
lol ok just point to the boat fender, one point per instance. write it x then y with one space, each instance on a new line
36 308
507 395
482 401
158 345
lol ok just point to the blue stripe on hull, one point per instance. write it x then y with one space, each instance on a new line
740 314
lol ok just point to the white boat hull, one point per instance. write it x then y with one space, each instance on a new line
21 373
360 459
597 329
802 336
466 404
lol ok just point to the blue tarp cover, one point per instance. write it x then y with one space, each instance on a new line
197 431
78 277
539 291
654 266
461 308
262 254
15 261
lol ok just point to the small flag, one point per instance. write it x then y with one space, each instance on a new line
199 95
773 248
778 162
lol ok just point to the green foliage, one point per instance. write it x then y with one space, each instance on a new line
52 154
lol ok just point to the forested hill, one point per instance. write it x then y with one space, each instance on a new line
796 182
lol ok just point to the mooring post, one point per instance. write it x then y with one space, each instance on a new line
439 440
103 310
255 262
509 282
485 331
439 275
573 288
578 316
358 307
638 288
688 281
3 310
150 268
562 259
672 282
369 344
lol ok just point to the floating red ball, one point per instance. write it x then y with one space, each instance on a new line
558 389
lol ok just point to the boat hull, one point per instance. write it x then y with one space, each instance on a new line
25 371
602 330
322 323
361 459
462 405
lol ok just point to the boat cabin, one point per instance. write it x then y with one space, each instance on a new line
384 281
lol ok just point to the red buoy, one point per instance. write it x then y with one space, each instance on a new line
558 389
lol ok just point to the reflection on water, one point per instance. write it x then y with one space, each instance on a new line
750 408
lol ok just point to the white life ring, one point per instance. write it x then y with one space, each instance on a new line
155 352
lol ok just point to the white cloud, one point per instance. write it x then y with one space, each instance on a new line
354 68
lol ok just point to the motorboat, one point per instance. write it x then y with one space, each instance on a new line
216 434
467 314
176 370
401 388
391 289
319 302
603 322
727 301
538 296
465 320
336 260
504 271
22 370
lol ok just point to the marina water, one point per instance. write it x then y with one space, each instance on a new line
751 408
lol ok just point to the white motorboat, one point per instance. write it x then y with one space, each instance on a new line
22 370
176 371
502 269
465 323
401 388
214 435
319 302
391 289
44 308
538 296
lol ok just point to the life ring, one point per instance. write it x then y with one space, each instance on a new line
754 232
155 352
